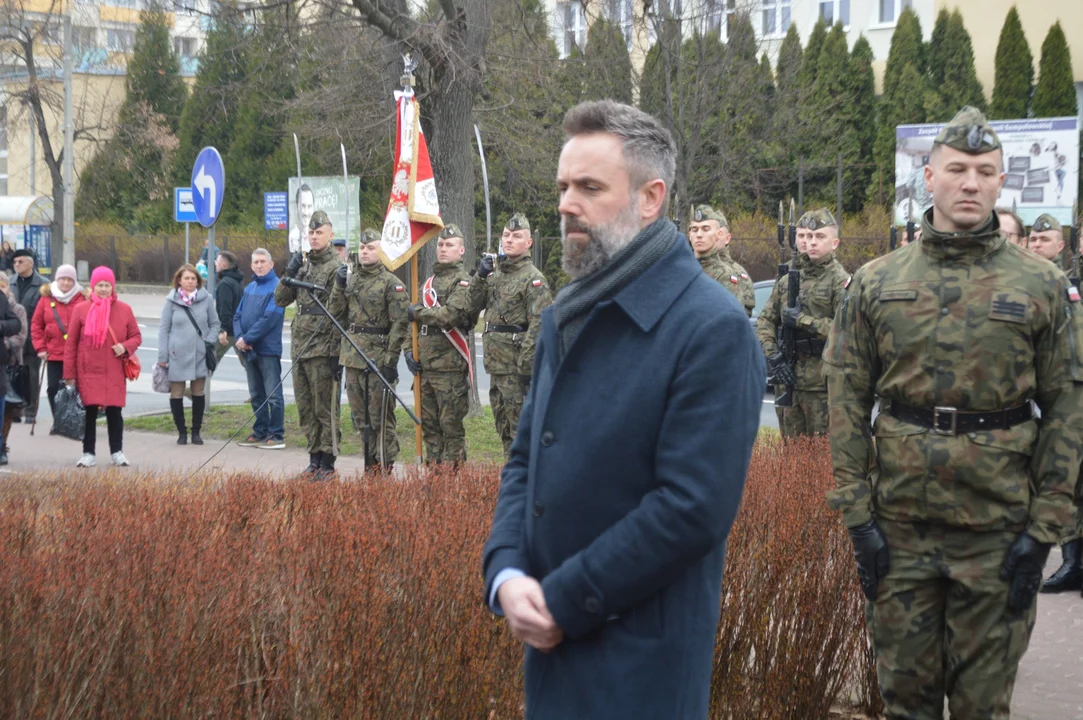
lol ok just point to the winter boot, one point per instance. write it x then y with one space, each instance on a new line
313 465
176 406
327 468
199 402
1070 574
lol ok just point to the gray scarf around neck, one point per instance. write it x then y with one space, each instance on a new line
575 301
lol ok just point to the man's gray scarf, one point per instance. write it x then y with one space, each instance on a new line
575 301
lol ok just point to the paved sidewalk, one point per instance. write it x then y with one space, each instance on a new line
155 451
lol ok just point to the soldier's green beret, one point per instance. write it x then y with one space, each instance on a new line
369 236
451 230
803 223
819 219
319 219
517 221
1046 222
706 212
969 132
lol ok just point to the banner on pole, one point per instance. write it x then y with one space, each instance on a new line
413 213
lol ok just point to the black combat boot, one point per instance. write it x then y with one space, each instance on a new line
313 465
199 403
327 468
176 406
1070 574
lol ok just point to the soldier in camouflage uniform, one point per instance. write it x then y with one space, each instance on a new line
1047 240
440 367
709 233
371 303
513 293
823 282
314 345
953 508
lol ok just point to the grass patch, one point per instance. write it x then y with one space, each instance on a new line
220 422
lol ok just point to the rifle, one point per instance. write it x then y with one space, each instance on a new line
783 268
893 239
787 344
910 225
1073 242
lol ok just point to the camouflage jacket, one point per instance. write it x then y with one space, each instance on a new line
514 294
744 290
435 351
311 334
823 285
725 275
372 298
967 321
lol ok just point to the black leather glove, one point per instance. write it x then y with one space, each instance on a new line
294 265
779 370
1023 567
414 365
411 311
340 276
789 316
485 266
524 384
870 551
336 369
390 373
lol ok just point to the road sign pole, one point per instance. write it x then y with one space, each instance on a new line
187 244
211 277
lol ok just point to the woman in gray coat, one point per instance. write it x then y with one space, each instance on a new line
189 322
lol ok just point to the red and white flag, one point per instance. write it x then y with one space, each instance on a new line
413 214
455 335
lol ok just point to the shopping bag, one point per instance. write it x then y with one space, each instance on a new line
69 417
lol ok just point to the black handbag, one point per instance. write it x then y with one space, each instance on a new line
69 417
18 385
211 358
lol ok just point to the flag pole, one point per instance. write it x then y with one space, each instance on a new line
408 87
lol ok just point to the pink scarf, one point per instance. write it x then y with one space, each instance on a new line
185 297
97 319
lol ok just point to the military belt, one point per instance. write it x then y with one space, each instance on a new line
812 347
945 420
310 310
504 328
364 330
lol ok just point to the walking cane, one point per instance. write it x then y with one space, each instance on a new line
37 401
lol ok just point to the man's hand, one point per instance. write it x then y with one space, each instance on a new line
779 370
414 365
43 355
790 315
294 265
165 365
222 338
1023 567
485 266
340 276
242 345
870 551
523 603
411 311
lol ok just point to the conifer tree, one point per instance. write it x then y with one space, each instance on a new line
1014 75
953 80
606 64
1054 95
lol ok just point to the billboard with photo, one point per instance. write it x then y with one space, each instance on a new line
327 194
1041 167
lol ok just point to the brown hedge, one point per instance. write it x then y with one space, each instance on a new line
128 596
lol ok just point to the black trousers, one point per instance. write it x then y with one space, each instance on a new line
54 371
33 366
114 420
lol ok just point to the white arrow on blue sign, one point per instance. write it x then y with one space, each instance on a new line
208 186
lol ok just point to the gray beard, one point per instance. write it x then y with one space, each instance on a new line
605 241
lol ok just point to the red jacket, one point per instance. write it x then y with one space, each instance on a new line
44 332
98 372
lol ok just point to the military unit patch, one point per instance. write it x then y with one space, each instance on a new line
1073 293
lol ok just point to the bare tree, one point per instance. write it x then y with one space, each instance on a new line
29 45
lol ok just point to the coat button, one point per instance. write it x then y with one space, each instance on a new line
547 438
539 509
591 605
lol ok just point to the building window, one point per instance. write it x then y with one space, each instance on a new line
716 19
185 47
571 27
120 40
51 34
84 38
619 12
891 9
833 11
776 17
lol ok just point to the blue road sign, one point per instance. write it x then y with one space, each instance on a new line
183 209
276 210
208 186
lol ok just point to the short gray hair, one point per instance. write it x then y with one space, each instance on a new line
649 150
264 252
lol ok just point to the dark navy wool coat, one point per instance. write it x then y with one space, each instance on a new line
622 485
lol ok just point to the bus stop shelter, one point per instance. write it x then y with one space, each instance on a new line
26 222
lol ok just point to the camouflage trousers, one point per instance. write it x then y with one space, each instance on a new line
506 399
808 416
315 389
445 399
1074 531
383 442
941 624
780 412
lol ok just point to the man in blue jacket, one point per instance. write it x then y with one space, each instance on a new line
257 325
609 534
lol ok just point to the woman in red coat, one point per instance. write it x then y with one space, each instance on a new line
102 332
49 326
